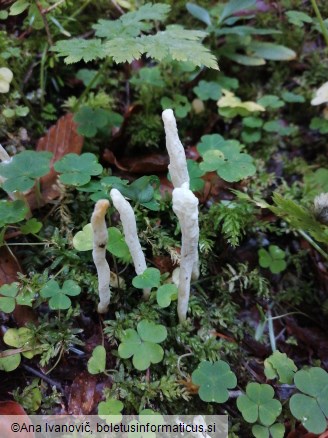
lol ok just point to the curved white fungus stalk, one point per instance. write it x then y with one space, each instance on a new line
130 232
178 163
4 157
100 238
185 206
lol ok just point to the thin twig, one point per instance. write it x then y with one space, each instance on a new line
52 7
45 22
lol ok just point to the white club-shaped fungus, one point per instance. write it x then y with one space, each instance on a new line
185 206
100 238
130 232
178 163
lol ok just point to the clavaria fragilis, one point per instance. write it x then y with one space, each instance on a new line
185 206
100 238
130 232
178 163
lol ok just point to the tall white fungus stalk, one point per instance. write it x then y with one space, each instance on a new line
100 239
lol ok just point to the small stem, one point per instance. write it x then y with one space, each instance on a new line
52 7
42 74
88 87
321 22
45 22
271 331
313 243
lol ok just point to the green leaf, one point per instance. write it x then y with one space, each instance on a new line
87 75
77 49
117 245
272 259
258 404
234 6
206 90
288 96
151 332
252 122
271 101
97 362
271 51
23 169
83 240
214 380
165 294
198 12
319 124
230 164
277 430
251 135
279 127
58 297
149 278
231 105
143 344
298 18
148 76
8 293
132 23
77 169
10 363
22 338
89 120
32 226
18 7
179 104
179 44
12 212
278 365
209 143
244 59
110 410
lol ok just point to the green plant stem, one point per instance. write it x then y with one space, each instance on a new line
88 87
319 17
271 331
314 244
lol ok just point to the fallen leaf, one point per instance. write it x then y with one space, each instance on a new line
82 395
61 139
150 163
8 408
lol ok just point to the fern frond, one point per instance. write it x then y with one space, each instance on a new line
78 49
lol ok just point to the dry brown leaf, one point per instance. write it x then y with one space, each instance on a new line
82 394
61 139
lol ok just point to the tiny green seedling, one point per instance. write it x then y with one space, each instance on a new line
32 226
59 299
279 366
76 170
23 169
97 362
274 259
143 344
214 380
258 404
207 90
311 407
179 103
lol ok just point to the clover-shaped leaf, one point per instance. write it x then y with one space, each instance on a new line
277 430
149 278
22 338
311 408
229 162
110 410
214 380
83 241
59 297
12 212
195 173
278 365
8 294
76 169
10 362
141 190
274 259
32 226
231 105
206 90
165 294
90 120
143 344
210 142
271 101
23 169
258 404
97 362
179 104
